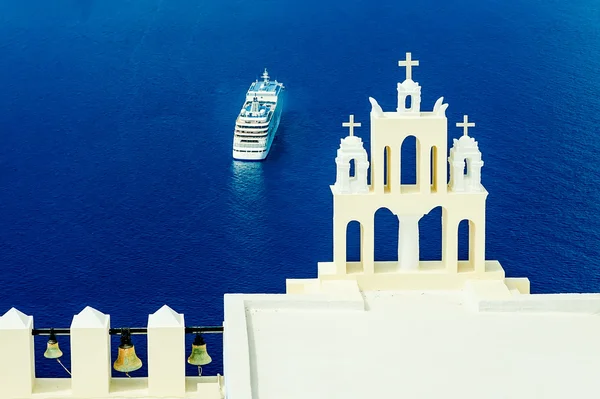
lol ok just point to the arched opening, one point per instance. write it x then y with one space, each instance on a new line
352 168
433 169
430 235
466 236
386 236
387 161
408 102
354 235
466 167
408 161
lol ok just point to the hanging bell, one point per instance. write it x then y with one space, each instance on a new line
127 360
199 355
52 349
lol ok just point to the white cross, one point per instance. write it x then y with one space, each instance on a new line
465 125
408 63
351 124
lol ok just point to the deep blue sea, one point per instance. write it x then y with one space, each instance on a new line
118 189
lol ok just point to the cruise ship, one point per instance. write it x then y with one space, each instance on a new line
258 120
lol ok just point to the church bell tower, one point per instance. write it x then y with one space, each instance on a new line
463 198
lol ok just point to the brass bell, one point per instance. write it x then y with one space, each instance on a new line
199 356
127 360
52 349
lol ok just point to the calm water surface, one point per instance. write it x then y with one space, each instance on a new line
118 189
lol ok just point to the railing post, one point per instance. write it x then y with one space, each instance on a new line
90 354
17 370
166 353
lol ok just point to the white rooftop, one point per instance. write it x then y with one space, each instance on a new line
415 344
405 327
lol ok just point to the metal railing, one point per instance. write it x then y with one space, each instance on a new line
132 330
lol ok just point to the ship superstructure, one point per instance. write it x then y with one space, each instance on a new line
258 120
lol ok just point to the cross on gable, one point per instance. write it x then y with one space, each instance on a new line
408 63
465 125
351 124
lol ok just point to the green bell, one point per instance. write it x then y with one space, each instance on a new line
127 360
199 356
52 349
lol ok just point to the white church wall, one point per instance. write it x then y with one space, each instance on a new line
391 132
298 349
455 207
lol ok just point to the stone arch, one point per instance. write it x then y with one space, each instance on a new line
468 162
385 235
466 234
431 230
349 162
410 151
471 175
354 241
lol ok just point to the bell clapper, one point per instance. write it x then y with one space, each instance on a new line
199 371
127 374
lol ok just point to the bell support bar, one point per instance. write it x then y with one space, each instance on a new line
132 331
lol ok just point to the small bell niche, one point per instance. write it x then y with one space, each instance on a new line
409 97
465 165
351 179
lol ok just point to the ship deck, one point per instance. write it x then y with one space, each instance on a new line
263 106
269 87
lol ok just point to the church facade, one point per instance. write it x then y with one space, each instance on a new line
363 186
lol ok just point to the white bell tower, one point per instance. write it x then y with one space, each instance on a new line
465 162
409 91
351 150
460 199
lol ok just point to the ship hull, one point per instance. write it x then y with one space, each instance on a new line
249 156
